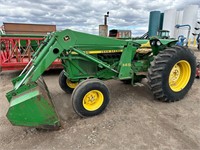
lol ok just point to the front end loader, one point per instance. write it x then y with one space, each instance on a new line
87 61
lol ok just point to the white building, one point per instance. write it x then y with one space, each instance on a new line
189 15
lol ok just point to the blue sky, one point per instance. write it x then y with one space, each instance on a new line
86 15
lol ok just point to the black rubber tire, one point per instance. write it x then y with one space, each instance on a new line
158 73
63 84
82 89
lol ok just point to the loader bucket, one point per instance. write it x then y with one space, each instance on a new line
31 105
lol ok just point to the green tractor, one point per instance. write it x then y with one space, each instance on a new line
163 34
88 60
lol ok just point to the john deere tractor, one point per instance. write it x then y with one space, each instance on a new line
88 60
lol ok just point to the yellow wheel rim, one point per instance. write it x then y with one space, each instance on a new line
179 76
71 84
93 100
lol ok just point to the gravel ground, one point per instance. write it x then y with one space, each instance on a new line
132 120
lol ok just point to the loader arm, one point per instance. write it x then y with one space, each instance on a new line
64 42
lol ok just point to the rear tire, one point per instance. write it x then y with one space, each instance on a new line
65 84
90 98
172 73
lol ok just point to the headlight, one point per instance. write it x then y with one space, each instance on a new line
158 43
153 43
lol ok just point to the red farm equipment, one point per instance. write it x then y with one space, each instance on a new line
198 70
19 41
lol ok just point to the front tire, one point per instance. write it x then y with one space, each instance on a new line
65 84
90 98
172 73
